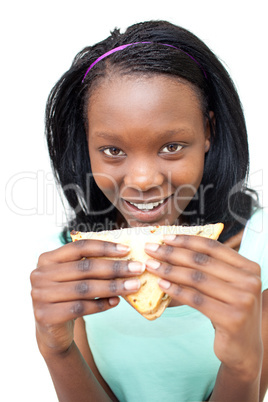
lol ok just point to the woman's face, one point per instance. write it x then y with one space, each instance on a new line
147 141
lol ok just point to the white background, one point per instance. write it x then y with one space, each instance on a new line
38 43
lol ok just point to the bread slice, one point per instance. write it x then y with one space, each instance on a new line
150 301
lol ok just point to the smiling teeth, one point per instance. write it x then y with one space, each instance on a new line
145 207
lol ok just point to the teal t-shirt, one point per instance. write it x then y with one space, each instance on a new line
171 358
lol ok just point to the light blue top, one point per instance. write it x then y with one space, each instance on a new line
171 358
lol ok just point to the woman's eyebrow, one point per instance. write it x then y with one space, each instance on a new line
182 132
107 136
161 135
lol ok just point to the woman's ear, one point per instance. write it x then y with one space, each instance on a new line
209 123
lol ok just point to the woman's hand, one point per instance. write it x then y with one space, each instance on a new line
221 284
65 286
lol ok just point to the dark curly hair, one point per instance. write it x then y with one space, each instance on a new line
226 164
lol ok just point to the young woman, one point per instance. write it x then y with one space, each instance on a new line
146 127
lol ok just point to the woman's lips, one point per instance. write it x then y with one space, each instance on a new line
148 215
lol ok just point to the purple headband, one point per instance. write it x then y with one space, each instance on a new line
117 49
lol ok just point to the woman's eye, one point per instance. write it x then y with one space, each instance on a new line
113 151
171 148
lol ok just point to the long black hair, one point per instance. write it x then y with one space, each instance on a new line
227 199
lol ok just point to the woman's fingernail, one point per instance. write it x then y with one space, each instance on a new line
153 264
164 284
151 246
169 237
132 284
122 247
136 266
113 301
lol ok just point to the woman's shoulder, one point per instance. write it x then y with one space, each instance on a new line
255 240
258 222
256 231
51 241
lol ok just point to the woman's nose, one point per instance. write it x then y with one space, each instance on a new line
143 176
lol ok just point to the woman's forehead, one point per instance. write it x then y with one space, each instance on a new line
153 108
143 92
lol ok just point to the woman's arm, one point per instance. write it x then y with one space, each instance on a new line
74 373
64 288
264 373
225 287
81 341
73 379
229 387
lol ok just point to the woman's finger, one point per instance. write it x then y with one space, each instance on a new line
178 257
217 311
83 248
203 282
202 260
84 290
229 317
60 313
88 268
211 248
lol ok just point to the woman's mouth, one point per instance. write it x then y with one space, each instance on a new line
146 207
146 212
